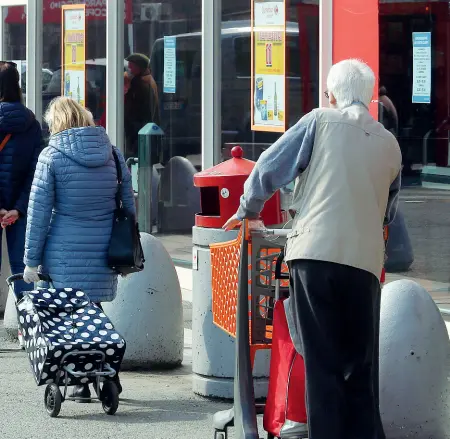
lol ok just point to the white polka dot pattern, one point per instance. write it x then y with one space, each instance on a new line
55 322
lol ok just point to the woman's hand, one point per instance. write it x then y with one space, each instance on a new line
9 218
30 275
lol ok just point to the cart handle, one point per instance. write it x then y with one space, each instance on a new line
15 277
273 232
278 267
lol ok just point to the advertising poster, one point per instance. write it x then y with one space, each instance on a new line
170 64
74 52
421 93
269 66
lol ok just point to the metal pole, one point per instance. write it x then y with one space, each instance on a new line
244 395
325 47
115 18
211 82
34 57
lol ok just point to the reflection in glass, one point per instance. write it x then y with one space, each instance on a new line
422 130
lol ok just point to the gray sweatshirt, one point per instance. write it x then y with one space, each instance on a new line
283 162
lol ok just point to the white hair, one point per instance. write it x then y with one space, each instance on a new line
351 81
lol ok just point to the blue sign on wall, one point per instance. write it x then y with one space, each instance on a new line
170 64
421 93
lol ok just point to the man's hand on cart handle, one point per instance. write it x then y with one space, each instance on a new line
234 222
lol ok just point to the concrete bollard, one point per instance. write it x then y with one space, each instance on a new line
5 273
213 351
10 324
414 349
148 311
179 199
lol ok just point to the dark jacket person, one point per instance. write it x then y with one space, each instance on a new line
141 101
20 136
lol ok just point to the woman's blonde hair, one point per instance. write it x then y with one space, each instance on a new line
64 113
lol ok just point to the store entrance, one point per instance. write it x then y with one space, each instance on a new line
422 123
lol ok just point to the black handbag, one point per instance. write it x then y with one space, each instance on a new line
125 255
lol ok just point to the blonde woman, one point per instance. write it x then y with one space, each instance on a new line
71 206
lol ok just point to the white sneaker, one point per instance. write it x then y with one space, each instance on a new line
21 340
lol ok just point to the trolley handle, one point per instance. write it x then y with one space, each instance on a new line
15 277
271 232
278 267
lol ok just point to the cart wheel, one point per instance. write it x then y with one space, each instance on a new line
53 400
109 397
220 434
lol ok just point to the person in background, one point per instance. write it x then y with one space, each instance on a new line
390 115
347 167
72 202
126 87
141 101
20 146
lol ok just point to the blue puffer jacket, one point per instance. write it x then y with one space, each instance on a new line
71 209
19 156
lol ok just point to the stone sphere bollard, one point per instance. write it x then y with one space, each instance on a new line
148 311
5 273
414 349
10 323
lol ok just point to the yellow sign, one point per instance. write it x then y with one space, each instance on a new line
74 52
269 66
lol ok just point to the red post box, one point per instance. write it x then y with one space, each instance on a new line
221 188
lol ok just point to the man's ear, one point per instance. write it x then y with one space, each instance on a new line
333 101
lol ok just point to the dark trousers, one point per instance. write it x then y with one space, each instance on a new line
15 239
336 311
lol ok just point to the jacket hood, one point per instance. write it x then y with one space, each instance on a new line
88 146
15 117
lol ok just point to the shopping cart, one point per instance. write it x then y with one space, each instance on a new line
248 276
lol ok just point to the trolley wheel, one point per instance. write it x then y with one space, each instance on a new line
109 396
220 434
53 400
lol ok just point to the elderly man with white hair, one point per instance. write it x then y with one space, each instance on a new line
347 167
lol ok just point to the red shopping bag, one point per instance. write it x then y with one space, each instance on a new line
285 411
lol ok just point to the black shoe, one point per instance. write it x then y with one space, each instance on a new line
82 391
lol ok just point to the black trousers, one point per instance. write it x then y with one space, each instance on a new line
336 309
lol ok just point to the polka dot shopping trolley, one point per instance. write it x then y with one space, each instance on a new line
69 341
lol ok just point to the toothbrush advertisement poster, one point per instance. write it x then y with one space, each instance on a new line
74 52
269 66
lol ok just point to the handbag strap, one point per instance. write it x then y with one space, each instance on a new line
4 142
119 180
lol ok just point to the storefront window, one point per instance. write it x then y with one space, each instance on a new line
14 43
167 35
414 76
302 73
52 38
